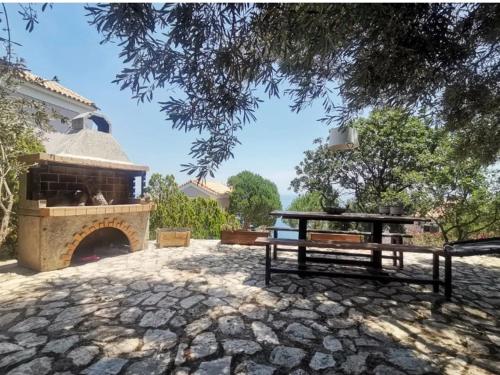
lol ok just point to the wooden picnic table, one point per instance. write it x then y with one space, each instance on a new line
376 220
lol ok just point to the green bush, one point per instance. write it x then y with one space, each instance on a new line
174 209
253 198
307 202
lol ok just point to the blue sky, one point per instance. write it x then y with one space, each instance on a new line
63 44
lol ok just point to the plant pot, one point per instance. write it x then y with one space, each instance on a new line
240 237
384 210
173 237
334 210
396 210
336 237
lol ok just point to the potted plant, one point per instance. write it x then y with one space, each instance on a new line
395 202
172 237
330 202
232 234
384 209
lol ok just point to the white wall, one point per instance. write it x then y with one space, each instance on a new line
193 192
63 106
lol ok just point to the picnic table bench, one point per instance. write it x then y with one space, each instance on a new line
466 248
453 249
397 256
374 274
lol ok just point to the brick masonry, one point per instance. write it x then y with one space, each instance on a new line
56 181
47 243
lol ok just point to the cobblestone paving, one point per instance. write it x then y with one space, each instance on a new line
204 310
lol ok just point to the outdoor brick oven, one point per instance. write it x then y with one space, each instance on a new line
52 222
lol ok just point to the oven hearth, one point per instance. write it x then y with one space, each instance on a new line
81 186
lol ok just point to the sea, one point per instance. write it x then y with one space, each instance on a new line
286 200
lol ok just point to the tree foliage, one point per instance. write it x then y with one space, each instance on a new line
252 199
440 59
307 202
461 196
394 148
401 158
174 209
21 123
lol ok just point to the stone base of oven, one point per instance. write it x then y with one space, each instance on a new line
47 243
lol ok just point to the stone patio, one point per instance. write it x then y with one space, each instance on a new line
204 310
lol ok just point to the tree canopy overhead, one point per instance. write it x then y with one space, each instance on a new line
438 59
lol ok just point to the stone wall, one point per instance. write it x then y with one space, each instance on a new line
61 180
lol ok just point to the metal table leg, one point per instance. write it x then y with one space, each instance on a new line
377 238
302 253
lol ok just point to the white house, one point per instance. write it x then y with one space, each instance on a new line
207 189
59 99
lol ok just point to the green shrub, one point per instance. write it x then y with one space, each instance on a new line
253 198
174 209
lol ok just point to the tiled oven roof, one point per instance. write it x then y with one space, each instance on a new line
87 143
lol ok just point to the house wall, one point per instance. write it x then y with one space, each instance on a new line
194 192
63 106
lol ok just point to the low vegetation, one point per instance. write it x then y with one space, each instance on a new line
174 209
21 121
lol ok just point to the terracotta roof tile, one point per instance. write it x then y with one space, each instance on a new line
57 88
212 186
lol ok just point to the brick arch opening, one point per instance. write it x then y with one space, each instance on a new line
87 230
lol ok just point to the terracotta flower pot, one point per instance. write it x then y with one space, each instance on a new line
384 210
396 210
171 237
240 237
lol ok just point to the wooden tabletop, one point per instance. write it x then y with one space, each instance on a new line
348 216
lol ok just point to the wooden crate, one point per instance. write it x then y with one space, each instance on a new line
240 237
335 237
171 237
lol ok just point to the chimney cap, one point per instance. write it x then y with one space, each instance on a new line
102 122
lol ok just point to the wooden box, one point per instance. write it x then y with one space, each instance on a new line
170 237
335 237
240 237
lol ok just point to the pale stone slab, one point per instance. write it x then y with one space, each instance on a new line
83 355
108 366
286 356
241 346
17 357
60 346
252 368
321 361
7 347
198 326
156 365
189 302
264 334
231 325
332 344
220 366
157 339
30 324
203 345
156 319
39 366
